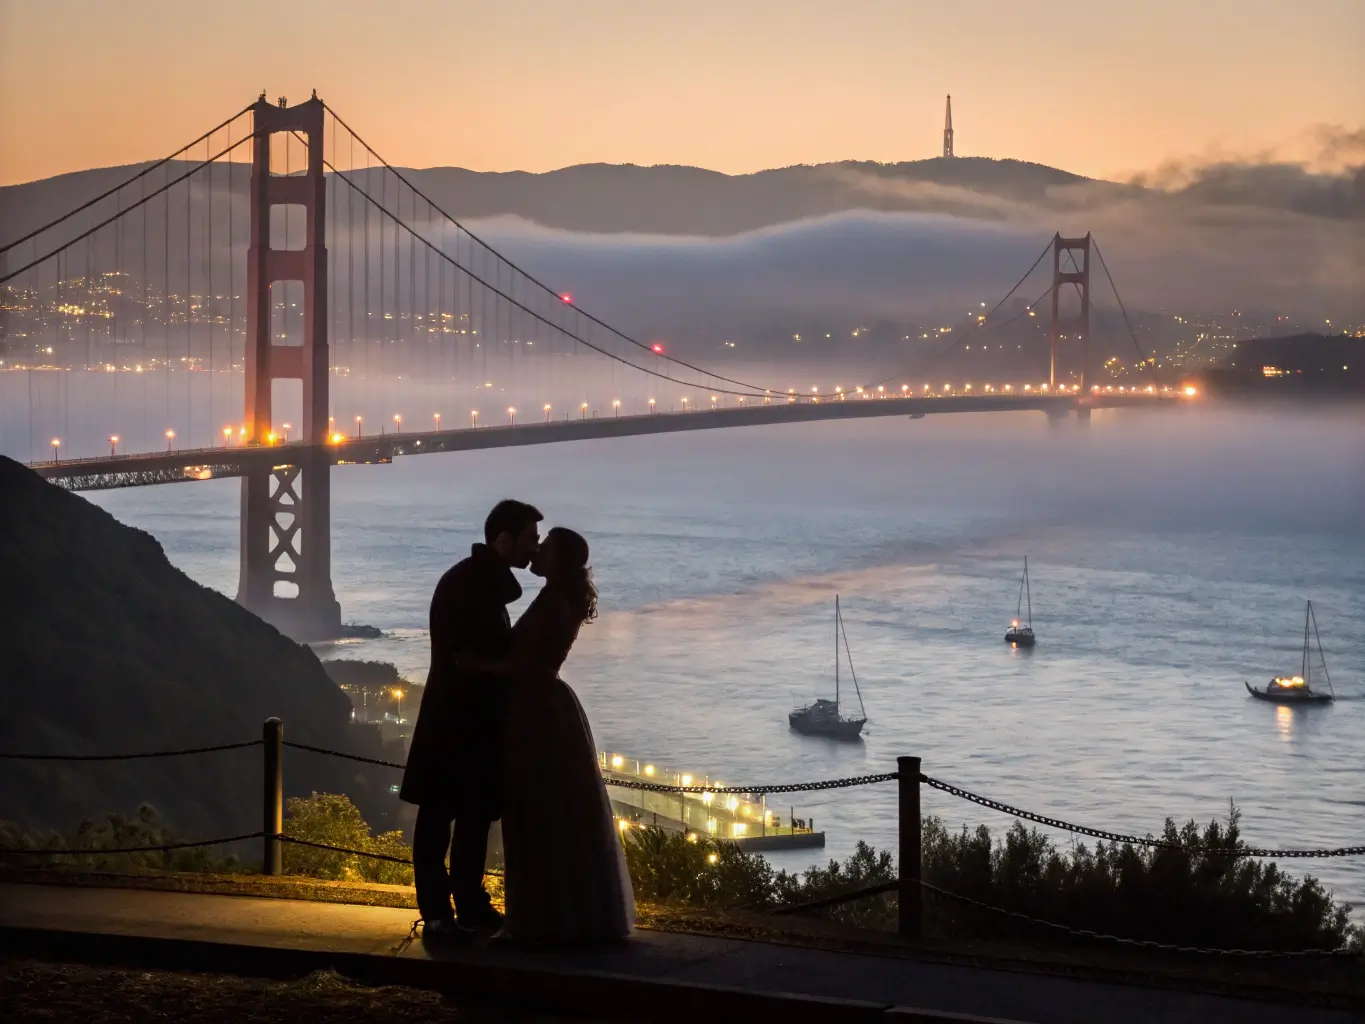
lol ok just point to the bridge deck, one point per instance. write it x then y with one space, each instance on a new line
134 470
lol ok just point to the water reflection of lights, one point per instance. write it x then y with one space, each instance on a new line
1284 721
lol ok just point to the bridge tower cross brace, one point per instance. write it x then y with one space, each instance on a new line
286 510
1080 277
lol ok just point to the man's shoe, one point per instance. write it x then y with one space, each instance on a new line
446 930
484 919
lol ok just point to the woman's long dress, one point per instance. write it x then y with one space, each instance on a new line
566 875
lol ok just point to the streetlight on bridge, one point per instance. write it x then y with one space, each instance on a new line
547 412
227 437
170 439
437 417
358 421
397 423
113 444
512 415
473 417
583 411
287 428
651 407
616 407
56 443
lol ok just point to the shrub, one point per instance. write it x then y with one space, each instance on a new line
332 819
88 843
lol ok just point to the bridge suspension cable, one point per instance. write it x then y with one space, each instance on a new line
753 389
123 184
144 200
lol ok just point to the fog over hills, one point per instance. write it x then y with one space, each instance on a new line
681 251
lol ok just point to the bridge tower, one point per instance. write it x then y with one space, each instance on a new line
1079 275
286 543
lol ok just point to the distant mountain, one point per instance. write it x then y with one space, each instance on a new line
616 198
110 649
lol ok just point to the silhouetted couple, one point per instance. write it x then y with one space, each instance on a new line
499 735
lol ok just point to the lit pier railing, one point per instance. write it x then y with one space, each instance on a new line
745 819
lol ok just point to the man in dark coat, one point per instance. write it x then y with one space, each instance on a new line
454 768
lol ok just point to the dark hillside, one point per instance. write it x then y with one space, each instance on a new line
109 648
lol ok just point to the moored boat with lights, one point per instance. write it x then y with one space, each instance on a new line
1022 635
1298 689
823 717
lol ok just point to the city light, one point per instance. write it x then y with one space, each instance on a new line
1190 391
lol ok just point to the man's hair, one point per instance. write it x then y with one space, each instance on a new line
509 516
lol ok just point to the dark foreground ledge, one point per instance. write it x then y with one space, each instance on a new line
658 975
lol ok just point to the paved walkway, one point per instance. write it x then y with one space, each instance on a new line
381 933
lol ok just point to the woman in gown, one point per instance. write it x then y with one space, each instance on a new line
566 878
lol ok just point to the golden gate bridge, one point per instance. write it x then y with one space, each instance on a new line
346 270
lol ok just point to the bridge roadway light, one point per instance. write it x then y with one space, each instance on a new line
170 439
651 407
227 437
512 415
905 388
713 403
436 417
583 411
881 389
398 423
358 421
473 417
56 443
287 428
616 406
113 443
684 403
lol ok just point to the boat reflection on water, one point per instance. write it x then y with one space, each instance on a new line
1284 722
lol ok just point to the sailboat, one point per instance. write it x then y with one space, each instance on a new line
823 718
1017 635
1298 689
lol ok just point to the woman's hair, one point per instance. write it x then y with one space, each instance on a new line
573 574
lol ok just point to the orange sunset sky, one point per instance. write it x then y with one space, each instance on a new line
1100 88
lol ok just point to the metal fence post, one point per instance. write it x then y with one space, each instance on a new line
272 824
909 896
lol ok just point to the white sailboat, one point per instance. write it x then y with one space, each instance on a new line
823 718
1020 635
1298 689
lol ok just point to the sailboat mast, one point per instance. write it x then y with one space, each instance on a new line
1028 590
1303 669
1321 657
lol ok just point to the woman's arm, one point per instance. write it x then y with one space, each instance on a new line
539 643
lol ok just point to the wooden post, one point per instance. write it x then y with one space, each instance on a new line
272 822
909 896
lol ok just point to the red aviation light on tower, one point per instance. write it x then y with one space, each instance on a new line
657 348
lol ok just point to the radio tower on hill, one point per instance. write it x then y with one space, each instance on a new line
948 128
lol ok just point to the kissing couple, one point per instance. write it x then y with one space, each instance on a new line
500 736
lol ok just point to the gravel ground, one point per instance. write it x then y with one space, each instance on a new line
39 991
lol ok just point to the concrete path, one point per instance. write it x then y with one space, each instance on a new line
33 912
